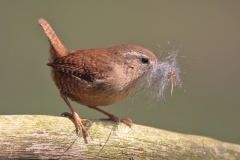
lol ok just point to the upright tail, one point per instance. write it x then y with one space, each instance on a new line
57 49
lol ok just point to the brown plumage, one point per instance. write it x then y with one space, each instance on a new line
96 77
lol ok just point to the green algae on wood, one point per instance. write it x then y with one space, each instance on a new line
50 137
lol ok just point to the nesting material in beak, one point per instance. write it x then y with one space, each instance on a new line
161 74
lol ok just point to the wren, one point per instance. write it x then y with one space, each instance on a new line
104 76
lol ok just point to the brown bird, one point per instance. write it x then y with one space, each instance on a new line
104 76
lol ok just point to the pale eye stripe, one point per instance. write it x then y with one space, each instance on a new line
134 53
137 54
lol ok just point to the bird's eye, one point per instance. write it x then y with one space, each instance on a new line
144 60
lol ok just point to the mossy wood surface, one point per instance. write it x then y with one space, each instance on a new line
50 137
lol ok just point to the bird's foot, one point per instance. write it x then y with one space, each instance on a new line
126 121
78 122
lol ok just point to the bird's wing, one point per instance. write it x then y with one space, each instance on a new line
89 65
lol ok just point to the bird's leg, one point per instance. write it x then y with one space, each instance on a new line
112 117
75 117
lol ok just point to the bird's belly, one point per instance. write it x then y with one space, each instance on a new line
89 93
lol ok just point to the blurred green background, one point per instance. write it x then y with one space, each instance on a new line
208 31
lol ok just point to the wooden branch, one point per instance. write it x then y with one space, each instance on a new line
49 137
